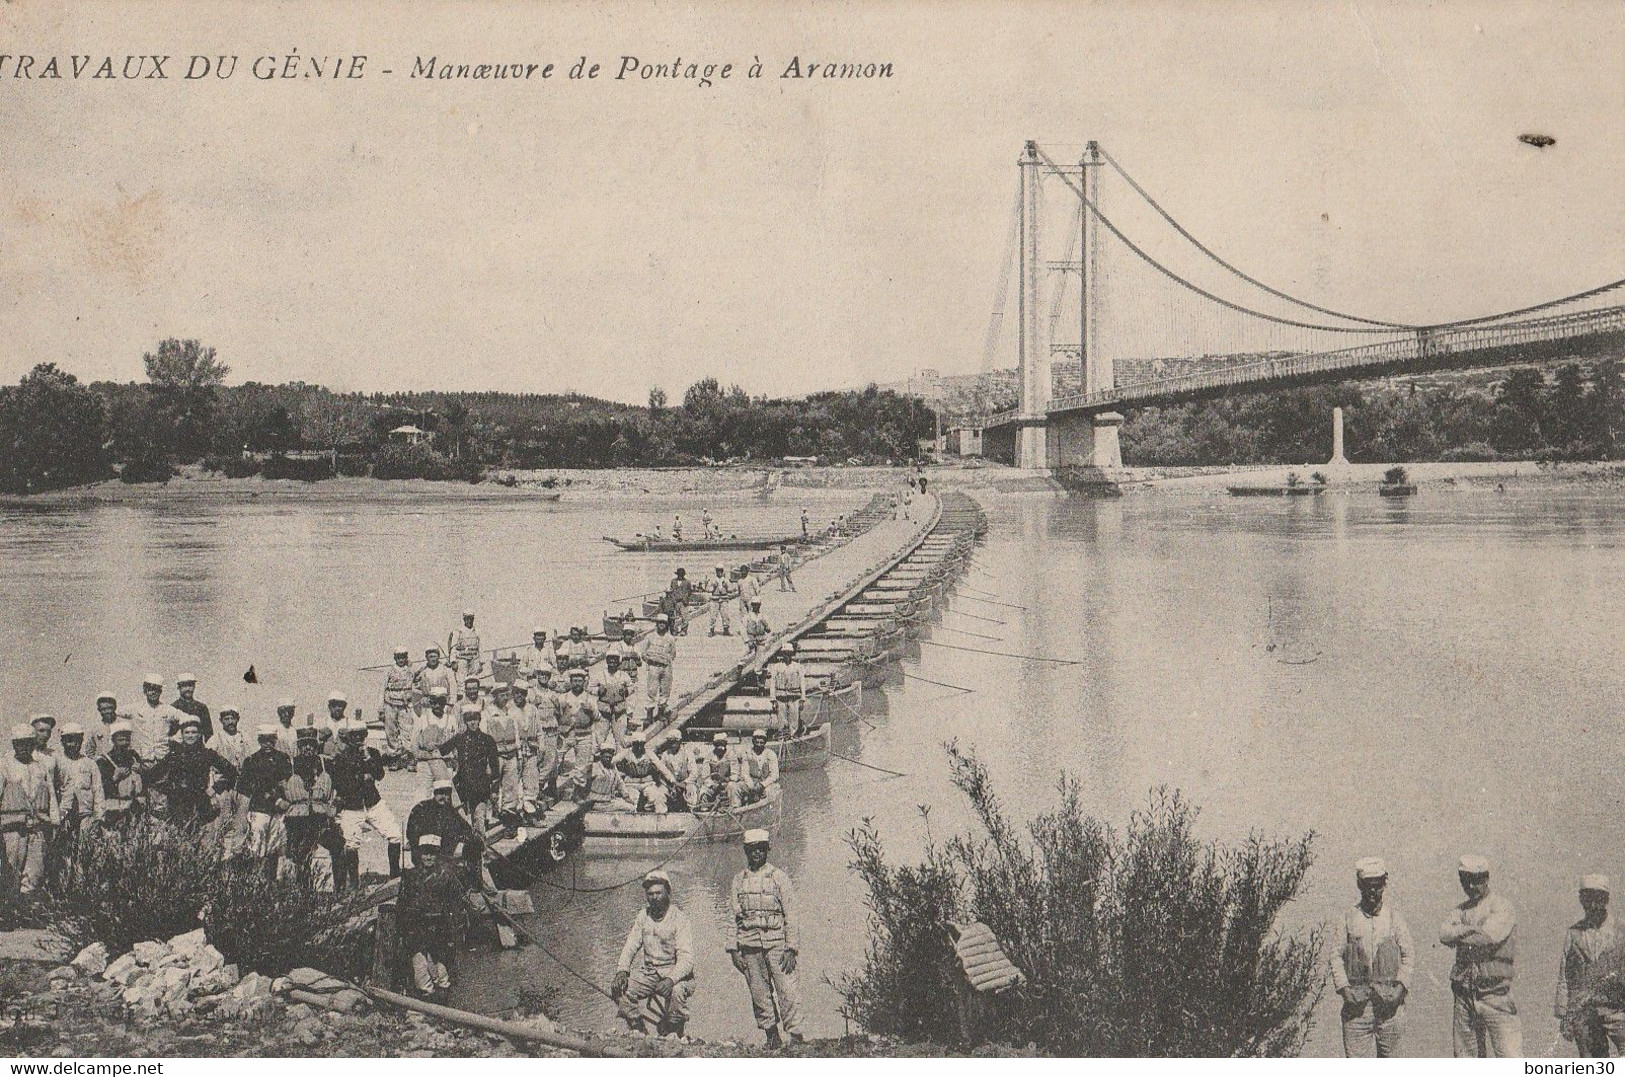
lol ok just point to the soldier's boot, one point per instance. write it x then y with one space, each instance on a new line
673 1026
394 860
352 869
773 1039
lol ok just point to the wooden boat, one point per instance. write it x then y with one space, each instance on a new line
804 751
743 713
645 544
631 833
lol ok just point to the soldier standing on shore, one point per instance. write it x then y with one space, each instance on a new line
1482 931
765 940
28 811
661 943
1586 1016
186 702
1371 967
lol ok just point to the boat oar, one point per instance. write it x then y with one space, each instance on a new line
963 632
976 617
940 684
991 602
646 594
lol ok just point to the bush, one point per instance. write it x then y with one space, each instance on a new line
1146 943
281 467
153 880
1473 451
354 465
421 462
1318 478
147 467
1396 476
232 466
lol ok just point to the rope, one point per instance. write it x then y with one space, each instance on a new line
976 616
573 889
1006 654
990 602
870 766
565 965
940 684
976 635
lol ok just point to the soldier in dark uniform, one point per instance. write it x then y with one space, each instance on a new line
433 910
182 773
436 816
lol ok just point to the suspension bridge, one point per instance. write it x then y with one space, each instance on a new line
1111 325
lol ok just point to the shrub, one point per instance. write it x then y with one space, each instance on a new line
303 470
123 886
1151 942
232 466
153 880
1471 452
1294 479
1318 478
354 465
421 462
1396 476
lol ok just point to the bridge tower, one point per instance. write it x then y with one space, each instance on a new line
1032 350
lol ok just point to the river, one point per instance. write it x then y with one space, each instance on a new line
1411 679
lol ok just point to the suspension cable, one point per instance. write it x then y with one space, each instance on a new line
1152 202
1199 245
1001 295
1177 279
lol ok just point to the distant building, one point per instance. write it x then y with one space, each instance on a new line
410 435
963 440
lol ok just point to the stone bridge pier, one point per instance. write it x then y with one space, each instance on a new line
1080 440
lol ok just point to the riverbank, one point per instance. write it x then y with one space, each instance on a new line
83 1019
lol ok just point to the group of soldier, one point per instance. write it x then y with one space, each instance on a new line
1373 960
654 978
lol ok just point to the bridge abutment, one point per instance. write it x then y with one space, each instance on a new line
1079 440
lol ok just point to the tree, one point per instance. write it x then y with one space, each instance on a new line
657 400
52 431
1565 410
273 431
183 377
1605 411
1520 405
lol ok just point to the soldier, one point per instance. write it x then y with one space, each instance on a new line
578 712
28 811
578 649
400 685
503 726
545 725
357 770
78 786
538 656
626 646
528 736
473 696
434 675
432 732
44 725
674 603
287 736
187 703
749 588
684 793
464 646
1588 1008
806 524
189 775
260 780
437 816
757 774
644 777
121 772
756 629
659 652
1482 930
765 941
310 818
328 729
677 527
789 690
707 524
723 591
614 692
228 740
601 785
1371 967
433 909
664 973
786 581
477 768
100 738
717 772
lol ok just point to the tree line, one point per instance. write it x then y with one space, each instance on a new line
1573 413
57 432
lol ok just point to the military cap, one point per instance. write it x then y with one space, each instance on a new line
661 618
186 678
1370 867
1473 864
719 738
306 732
73 729
231 708
153 679
109 696
443 783
428 841
402 650
20 732
38 718
190 723
1598 883
762 733
638 737
756 837
656 876
266 729
607 746
336 696
439 692
468 613
120 727
285 703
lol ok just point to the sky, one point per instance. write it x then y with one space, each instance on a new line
606 237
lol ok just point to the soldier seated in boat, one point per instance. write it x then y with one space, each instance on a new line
757 772
645 779
716 775
601 785
684 792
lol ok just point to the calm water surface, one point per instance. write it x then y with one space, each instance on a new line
1412 680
